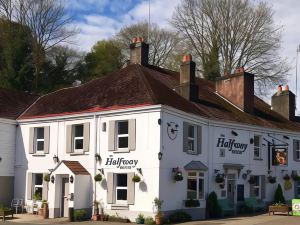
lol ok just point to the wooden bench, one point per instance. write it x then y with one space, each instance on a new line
279 208
8 212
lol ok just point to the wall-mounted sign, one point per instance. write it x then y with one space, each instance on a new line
279 156
231 145
121 163
172 130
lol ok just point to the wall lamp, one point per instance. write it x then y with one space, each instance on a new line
159 155
234 133
101 171
269 171
52 179
0 159
97 157
55 159
140 171
71 179
251 140
286 137
248 172
216 171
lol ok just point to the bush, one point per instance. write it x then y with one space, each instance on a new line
278 197
180 217
212 205
149 221
192 203
79 215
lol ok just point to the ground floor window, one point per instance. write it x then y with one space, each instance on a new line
121 187
297 189
37 186
256 186
195 185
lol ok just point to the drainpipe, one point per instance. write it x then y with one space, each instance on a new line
95 152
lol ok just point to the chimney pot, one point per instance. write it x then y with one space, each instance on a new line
187 58
279 89
134 40
286 88
239 70
139 51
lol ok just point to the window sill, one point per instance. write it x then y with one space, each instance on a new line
122 151
191 153
259 159
39 154
78 153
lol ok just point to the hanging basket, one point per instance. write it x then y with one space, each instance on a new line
286 177
98 177
287 185
47 177
272 180
219 178
136 178
251 180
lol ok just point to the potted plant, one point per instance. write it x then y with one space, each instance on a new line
178 175
251 180
136 178
272 180
286 177
220 178
96 215
98 177
140 219
159 215
45 209
47 177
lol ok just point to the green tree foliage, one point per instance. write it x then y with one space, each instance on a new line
104 58
212 205
278 197
16 70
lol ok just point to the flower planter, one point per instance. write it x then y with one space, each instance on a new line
96 217
158 219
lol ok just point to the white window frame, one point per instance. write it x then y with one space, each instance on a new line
77 138
34 186
257 187
257 148
297 149
199 175
194 139
122 135
121 188
39 140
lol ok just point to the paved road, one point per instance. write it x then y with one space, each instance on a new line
246 220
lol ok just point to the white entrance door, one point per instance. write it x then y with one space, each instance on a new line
64 198
231 187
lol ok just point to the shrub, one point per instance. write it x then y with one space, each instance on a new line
149 221
278 197
136 178
180 217
140 219
98 177
158 204
212 205
79 215
192 203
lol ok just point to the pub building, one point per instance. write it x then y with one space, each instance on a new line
155 124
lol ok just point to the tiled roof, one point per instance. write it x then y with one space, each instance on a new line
195 165
138 85
76 167
14 103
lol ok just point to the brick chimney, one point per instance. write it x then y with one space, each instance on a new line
238 88
187 88
284 102
139 51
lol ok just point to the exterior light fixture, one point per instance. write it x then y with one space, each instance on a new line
160 154
216 171
101 171
0 159
249 171
55 159
251 140
234 133
71 179
269 171
52 179
97 157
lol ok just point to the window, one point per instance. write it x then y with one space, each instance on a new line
121 188
192 138
78 137
195 185
297 149
37 186
39 141
297 186
256 187
257 147
122 135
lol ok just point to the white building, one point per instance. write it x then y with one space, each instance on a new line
153 122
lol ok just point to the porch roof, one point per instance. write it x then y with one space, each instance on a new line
74 166
195 165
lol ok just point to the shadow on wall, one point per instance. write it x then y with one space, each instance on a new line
143 186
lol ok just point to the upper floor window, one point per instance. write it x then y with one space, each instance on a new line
122 135
192 138
195 185
78 137
257 147
297 150
40 139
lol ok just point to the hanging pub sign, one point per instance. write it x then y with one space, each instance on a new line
121 163
279 156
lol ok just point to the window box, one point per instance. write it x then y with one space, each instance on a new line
191 203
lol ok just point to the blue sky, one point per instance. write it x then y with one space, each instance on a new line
101 19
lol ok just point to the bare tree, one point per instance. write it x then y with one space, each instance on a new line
47 21
237 33
162 41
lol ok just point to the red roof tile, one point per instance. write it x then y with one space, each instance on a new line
138 85
76 167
